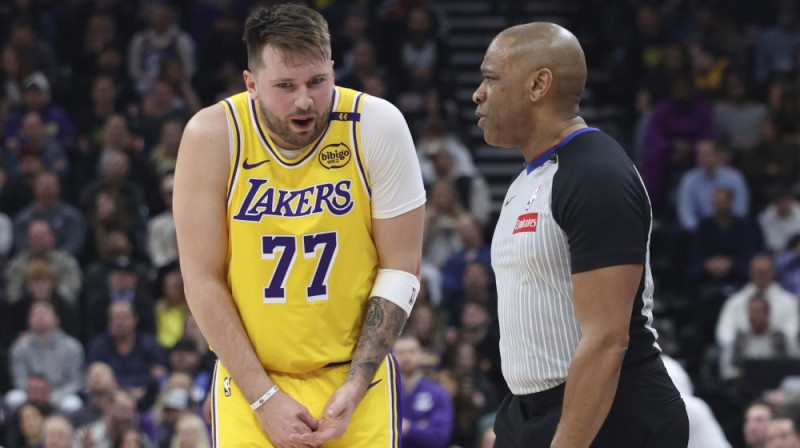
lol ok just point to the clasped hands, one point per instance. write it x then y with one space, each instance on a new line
289 424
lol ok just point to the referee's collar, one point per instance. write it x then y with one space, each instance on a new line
545 156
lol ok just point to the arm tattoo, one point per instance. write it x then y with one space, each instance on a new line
382 324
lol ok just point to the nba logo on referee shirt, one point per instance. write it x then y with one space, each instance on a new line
526 223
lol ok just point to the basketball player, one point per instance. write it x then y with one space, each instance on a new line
570 251
299 212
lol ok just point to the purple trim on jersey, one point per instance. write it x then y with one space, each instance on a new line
398 441
355 146
272 150
543 157
214 418
238 148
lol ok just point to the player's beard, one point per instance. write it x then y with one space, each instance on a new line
282 128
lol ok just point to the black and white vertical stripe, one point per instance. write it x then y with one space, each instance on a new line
590 210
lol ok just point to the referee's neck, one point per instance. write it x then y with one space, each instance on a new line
548 135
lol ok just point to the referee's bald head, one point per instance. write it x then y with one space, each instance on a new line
543 45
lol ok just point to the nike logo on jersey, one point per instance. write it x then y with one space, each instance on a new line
373 384
249 166
509 200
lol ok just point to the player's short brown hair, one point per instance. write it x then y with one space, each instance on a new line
292 28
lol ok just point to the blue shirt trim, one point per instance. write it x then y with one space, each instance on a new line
543 157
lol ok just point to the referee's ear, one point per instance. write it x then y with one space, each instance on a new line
539 84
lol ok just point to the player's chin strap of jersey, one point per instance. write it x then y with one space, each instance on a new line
396 286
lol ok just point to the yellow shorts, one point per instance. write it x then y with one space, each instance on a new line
375 422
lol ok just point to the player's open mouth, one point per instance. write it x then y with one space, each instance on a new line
302 123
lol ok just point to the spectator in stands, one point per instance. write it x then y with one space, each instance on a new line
758 341
782 433
185 358
125 286
159 106
163 155
737 119
434 136
67 222
171 310
100 32
162 246
115 179
207 357
30 420
697 186
787 265
134 356
190 432
36 52
756 421
100 386
423 58
57 432
172 404
110 63
33 140
6 234
17 192
441 215
478 328
38 392
36 97
780 221
734 317
92 120
46 350
113 136
12 72
721 248
41 245
676 125
426 407
776 45
115 244
133 438
39 287
708 68
715 32
365 64
173 74
116 419
474 249
471 187
427 326
771 166
161 40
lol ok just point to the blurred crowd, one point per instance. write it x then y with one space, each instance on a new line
97 344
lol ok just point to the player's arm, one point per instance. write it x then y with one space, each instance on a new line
201 178
200 220
399 244
603 300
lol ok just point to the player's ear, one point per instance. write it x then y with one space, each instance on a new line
250 82
539 83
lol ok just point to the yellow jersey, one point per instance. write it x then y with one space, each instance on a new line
301 258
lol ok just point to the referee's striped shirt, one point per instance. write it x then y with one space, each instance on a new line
579 206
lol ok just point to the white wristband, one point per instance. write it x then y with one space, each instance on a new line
264 398
398 287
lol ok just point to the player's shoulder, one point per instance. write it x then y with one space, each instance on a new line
208 120
379 109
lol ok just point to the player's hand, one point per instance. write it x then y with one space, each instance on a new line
335 417
281 417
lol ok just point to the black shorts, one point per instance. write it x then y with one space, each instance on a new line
647 412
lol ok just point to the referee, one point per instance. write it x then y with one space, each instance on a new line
570 252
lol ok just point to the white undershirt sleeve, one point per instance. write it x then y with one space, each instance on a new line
391 160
